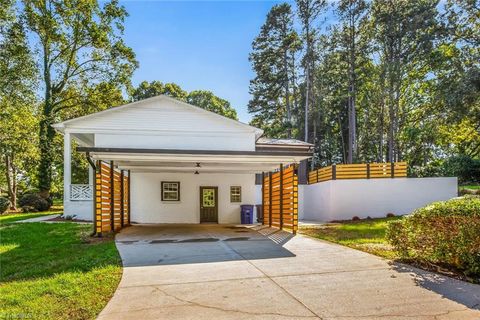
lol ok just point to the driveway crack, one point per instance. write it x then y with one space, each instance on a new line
197 304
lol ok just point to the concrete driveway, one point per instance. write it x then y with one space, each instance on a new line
229 272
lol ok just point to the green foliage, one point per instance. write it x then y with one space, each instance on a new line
403 77
443 233
79 45
273 60
147 90
32 202
208 101
4 204
17 104
200 98
464 167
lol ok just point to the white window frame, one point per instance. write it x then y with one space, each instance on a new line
170 184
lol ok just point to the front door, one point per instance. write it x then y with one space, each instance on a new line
209 204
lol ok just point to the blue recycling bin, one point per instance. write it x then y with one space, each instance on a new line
246 213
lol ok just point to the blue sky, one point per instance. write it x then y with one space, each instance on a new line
198 45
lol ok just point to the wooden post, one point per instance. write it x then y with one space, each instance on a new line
368 170
95 200
112 200
317 175
129 197
98 188
263 198
270 199
122 199
281 196
392 169
334 172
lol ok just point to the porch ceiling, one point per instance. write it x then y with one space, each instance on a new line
210 162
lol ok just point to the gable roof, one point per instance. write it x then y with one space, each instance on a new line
101 118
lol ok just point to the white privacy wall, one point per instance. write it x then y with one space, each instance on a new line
343 199
147 206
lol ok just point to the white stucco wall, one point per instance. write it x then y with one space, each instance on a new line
343 199
147 207
82 209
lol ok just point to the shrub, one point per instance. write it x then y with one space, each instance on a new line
464 167
32 202
4 204
444 233
390 215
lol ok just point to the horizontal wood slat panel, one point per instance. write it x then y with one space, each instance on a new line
280 197
358 171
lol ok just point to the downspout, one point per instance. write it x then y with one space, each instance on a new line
94 167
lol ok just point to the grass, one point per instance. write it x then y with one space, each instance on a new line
364 235
54 270
471 187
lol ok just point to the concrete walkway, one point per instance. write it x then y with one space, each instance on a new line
39 219
228 272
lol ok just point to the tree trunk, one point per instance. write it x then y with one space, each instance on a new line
306 104
47 133
11 176
352 119
287 95
46 156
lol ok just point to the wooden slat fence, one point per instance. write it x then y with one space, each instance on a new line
280 199
359 171
112 198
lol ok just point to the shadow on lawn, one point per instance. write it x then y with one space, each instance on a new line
33 250
462 292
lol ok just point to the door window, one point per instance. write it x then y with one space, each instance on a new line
208 198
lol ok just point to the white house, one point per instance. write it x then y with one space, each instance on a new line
183 164
186 164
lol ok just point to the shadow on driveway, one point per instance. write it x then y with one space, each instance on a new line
148 245
462 292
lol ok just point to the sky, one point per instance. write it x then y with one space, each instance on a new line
198 45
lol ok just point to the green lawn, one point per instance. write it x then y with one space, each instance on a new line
471 187
365 235
54 271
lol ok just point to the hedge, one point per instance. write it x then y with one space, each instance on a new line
444 233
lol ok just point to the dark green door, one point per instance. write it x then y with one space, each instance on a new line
209 204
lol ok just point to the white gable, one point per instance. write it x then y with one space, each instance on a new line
162 123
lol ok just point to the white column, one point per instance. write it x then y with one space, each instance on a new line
67 167
90 175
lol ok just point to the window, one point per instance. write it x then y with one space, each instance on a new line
235 194
170 191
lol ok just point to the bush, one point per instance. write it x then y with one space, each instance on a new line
4 204
32 202
390 215
444 233
464 167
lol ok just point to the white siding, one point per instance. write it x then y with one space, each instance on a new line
162 122
184 141
147 206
